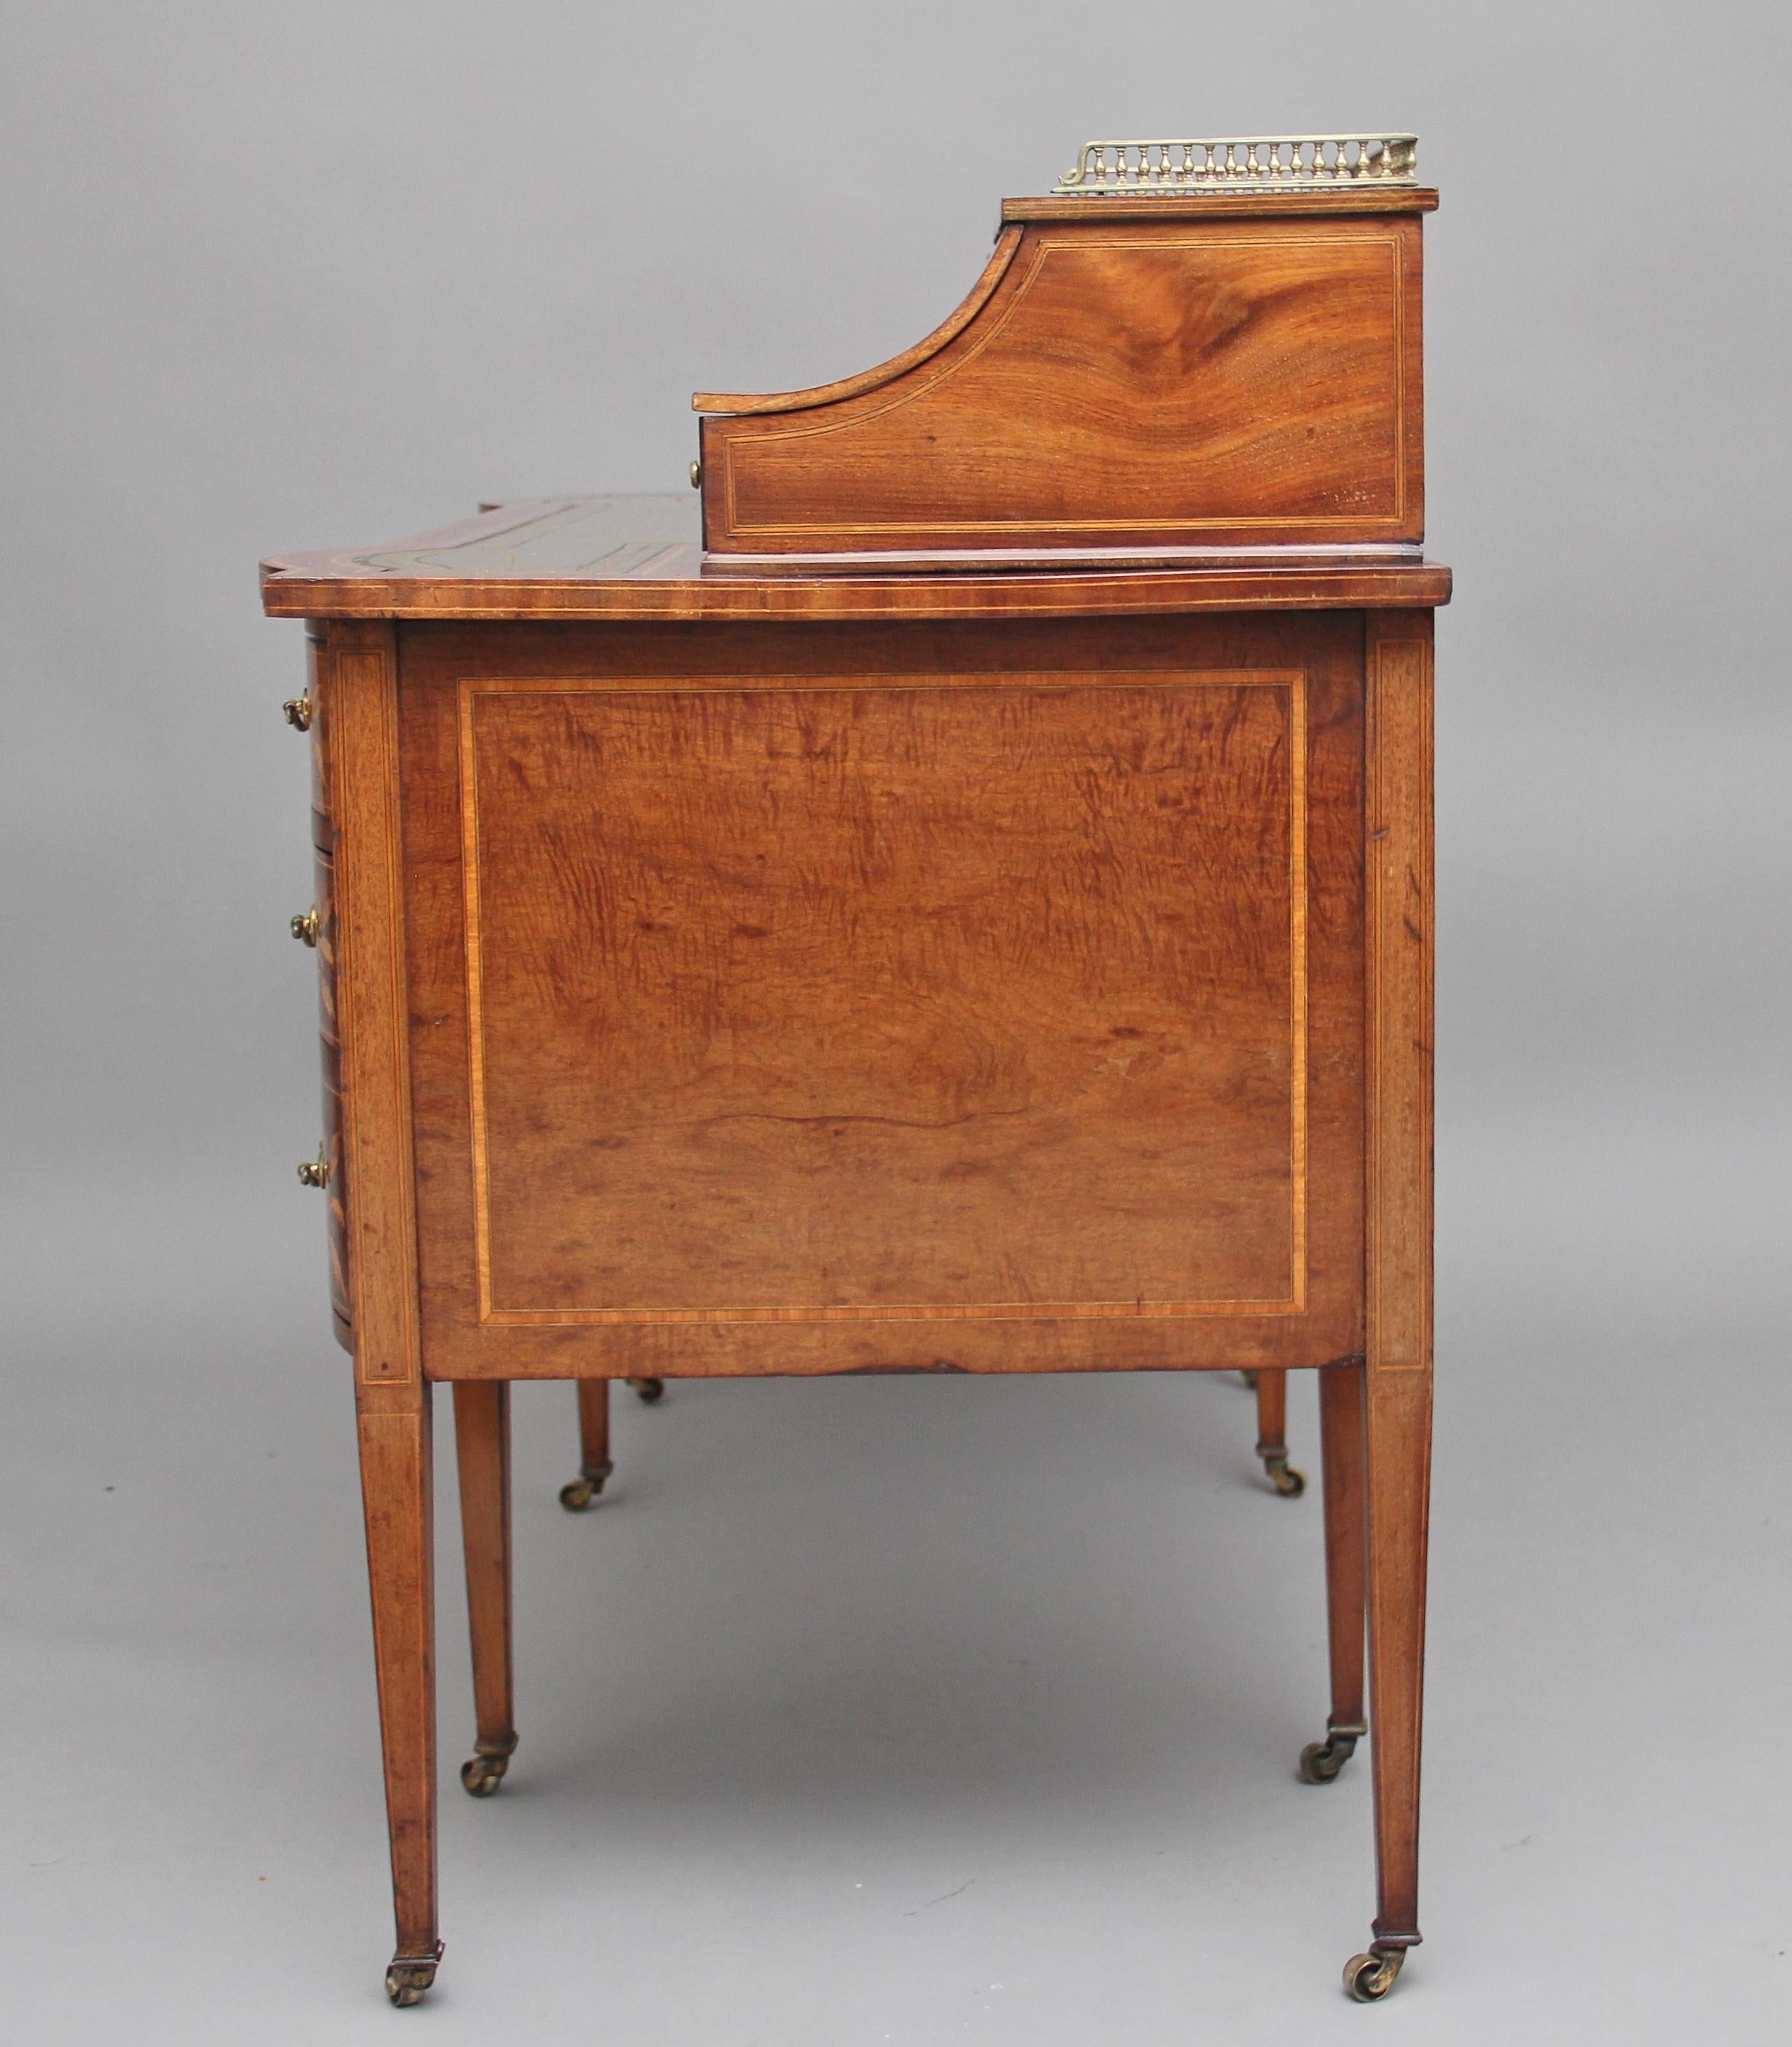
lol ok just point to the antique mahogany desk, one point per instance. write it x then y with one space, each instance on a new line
968 910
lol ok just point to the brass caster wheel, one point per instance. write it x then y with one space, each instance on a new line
1321 1761
410 1975
649 1390
1250 1379
1370 1977
584 1489
484 1774
491 1759
1289 1483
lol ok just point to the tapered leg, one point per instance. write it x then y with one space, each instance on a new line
395 1492
1398 928
1271 1434
1399 1471
1341 1442
482 1451
356 719
595 1466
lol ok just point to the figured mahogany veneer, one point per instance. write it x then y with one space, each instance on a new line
1178 375
810 1002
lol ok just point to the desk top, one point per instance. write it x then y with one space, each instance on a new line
1190 380
641 558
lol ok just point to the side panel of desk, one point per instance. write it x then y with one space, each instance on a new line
514 1263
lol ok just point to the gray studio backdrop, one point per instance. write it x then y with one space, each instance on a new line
919 1710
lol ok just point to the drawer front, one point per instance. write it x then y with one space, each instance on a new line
335 1187
868 1001
320 763
323 845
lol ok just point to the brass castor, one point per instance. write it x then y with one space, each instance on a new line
410 1975
485 1773
650 1390
1250 1378
1289 1483
584 1489
1370 1976
1321 1761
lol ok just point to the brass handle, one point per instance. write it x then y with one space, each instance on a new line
298 711
315 1172
696 476
305 929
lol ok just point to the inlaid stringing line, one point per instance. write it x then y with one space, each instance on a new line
1294 682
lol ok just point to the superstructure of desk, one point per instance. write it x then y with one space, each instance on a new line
971 911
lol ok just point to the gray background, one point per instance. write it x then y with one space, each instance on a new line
919 1710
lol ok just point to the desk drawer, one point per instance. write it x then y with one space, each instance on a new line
330 1046
323 847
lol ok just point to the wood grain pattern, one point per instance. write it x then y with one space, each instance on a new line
317 633
1146 382
329 1039
1400 970
1346 1537
812 1015
998 942
370 999
330 1043
1271 1415
396 1492
1398 921
482 1457
594 1429
358 682
1398 1462
920 992
298 587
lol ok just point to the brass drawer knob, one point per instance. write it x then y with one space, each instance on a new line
298 711
696 476
305 928
315 1172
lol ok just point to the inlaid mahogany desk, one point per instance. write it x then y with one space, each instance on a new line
969 909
